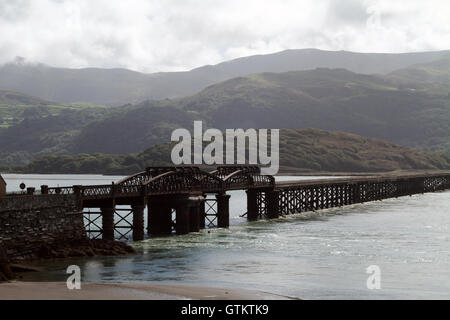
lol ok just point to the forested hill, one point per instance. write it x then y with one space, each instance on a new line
399 108
433 77
329 99
303 150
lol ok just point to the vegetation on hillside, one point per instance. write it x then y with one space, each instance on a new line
323 98
304 150
431 77
384 107
8 97
31 127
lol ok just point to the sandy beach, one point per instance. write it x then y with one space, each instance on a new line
17 290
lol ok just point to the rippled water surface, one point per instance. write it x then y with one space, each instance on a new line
315 255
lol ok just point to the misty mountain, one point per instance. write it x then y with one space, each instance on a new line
120 86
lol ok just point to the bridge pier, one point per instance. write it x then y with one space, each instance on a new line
322 198
202 212
310 203
108 221
252 205
194 218
138 221
356 193
182 225
347 195
159 217
188 214
223 210
273 204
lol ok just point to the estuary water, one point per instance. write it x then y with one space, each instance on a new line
321 255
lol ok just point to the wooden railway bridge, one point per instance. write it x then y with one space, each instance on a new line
177 197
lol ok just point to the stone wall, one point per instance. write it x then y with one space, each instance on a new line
27 223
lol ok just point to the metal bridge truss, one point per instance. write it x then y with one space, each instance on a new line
210 213
122 225
174 180
92 224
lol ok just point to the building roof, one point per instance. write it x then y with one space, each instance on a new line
1 179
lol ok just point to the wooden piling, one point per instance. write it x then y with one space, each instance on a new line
182 225
194 218
138 221
252 205
223 210
202 212
108 222
273 204
159 217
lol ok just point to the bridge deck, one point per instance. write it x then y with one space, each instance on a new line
353 180
184 182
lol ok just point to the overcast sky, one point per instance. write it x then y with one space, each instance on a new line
151 36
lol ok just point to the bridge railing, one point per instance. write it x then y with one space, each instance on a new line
60 190
173 182
430 180
95 191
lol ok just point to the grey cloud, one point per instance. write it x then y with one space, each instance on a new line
169 35
13 10
349 12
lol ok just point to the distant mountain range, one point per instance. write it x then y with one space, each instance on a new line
120 86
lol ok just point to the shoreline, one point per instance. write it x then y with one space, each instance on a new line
10 269
18 290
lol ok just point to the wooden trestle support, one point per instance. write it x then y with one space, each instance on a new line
297 197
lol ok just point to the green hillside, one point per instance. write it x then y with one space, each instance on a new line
303 150
432 77
329 99
8 97
320 150
14 104
30 126
323 98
